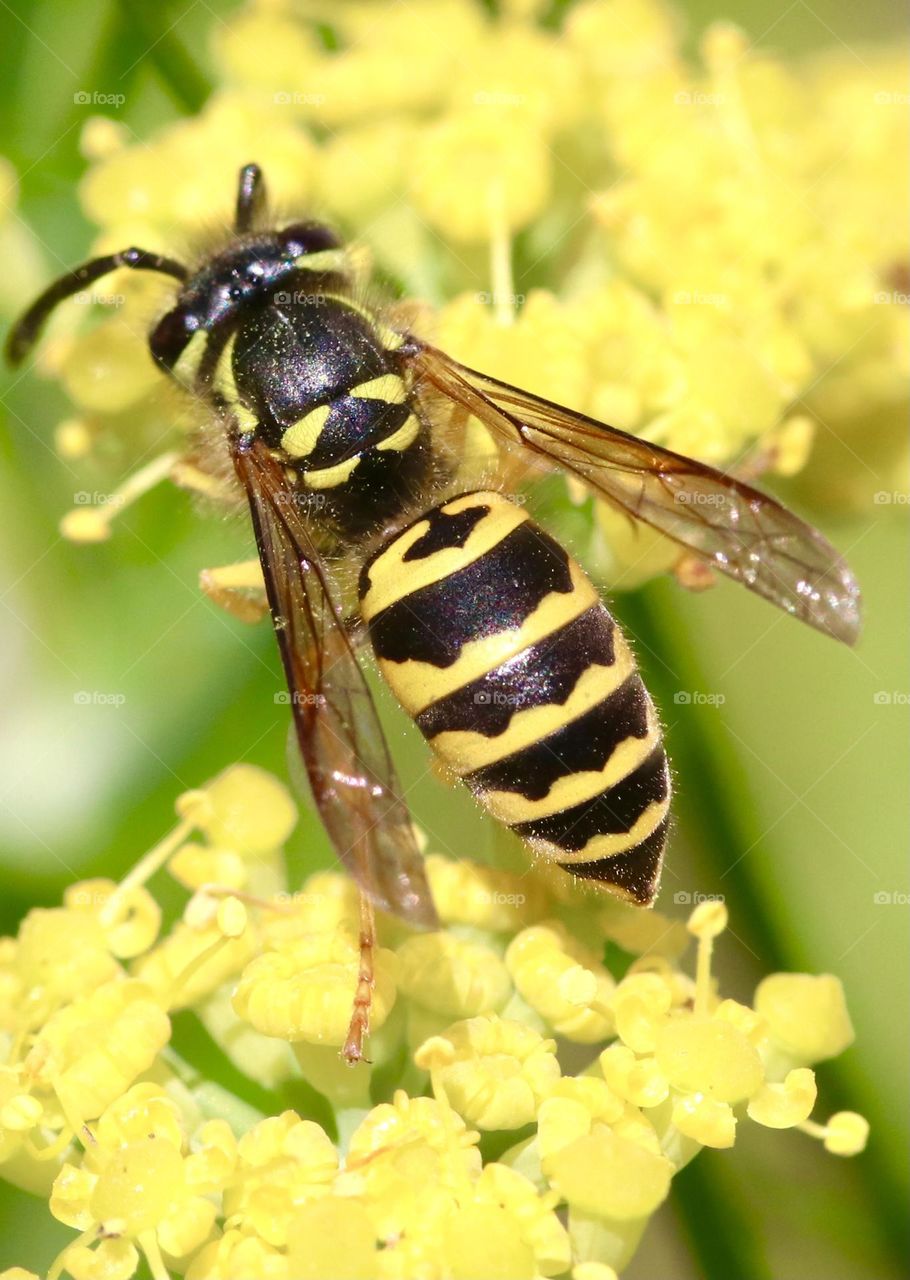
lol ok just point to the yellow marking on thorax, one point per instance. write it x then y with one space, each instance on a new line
464 750
389 338
388 387
574 788
609 846
392 577
404 437
223 378
187 365
417 684
224 383
324 260
329 477
300 438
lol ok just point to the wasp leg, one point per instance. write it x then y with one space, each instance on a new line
239 589
359 1027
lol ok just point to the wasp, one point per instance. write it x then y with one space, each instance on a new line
346 433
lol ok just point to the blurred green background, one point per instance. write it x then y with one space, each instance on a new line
801 772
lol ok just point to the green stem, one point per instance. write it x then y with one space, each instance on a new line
716 810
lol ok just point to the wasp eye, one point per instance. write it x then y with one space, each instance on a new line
307 237
170 335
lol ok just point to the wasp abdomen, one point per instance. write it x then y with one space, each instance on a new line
497 643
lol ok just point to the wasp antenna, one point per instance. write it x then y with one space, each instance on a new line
250 198
27 328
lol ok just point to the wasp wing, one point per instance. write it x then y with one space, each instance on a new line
739 531
341 740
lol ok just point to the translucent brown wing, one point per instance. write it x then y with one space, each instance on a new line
341 740
739 531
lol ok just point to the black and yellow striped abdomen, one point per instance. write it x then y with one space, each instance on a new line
496 642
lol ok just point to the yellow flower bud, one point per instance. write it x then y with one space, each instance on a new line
282 1161
493 1071
364 167
472 172
99 1044
236 1254
211 1162
518 70
69 1200
704 1055
138 919
108 1260
21 1112
560 1122
641 1004
63 952
705 1120
265 51
469 893
563 982
137 1187
806 1015
599 1100
327 902
251 811
846 1134
187 1226
708 920
638 1080
306 990
194 865
108 370
531 1214
609 1176
746 1020
451 977
780 1106
143 1111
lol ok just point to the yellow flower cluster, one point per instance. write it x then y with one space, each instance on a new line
145 1158
686 249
